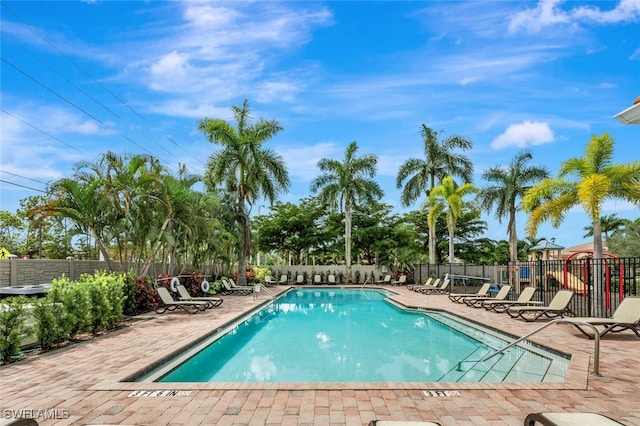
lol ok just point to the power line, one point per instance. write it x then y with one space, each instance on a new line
74 63
22 177
22 186
49 89
58 74
40 130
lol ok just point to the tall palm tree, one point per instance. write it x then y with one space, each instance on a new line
244 167
588 181
595 179
448 197
344 184
422 174
505 194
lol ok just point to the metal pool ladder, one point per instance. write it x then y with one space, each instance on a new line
596 344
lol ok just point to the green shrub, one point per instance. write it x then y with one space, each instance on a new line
259 273
13 326
76 302
49 330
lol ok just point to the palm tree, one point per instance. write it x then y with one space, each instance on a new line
509 185
588 181
244 167
609 223
439 161
344 184
448 197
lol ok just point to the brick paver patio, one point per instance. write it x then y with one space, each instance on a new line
83 382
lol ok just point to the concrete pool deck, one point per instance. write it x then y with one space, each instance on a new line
83 382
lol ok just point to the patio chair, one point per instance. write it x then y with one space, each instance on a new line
300 279
523 300
331 279
476 302
317 279
184 296
569 419
427 283
625 317
229 287
168 304
483 292
558 307
268 280
385 280
437 289
400 281
284 280
401 423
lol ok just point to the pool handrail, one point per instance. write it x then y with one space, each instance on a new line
596 343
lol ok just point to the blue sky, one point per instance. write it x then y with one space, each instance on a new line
79 78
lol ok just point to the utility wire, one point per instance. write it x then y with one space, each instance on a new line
12 40
23 177
22 186
40 130
49 89
75 64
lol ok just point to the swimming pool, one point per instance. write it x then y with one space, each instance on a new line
355 335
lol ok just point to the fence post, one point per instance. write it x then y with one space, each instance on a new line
72 268
13 270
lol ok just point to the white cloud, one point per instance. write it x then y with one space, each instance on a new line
524 134
549 13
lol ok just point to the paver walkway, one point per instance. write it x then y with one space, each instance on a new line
84 382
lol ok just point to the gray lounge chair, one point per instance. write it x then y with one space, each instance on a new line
428 283
483 292
569 419
168 304
401 423
476 302
437 289
231 288
625 317
523 300
402 279
184 295
385 280
558 307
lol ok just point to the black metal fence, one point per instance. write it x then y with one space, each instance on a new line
599 284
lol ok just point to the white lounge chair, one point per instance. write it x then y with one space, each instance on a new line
483 292
231 288
558 307
625 317
569 419
477 301
168 304
184 296
523 300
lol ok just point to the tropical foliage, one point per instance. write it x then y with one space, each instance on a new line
243 166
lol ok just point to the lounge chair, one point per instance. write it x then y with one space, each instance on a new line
385 280
625 317
331 279
317 279
523 300
476 302
300 279
231 288
168 304
483 292
400 281
401 423
569 419
284 280
437 289
184 296
428 283
268 280
558 307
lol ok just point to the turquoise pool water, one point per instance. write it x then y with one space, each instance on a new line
347 335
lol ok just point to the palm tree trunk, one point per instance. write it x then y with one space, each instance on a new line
432 245
452 256
347 239
513 237
598 295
